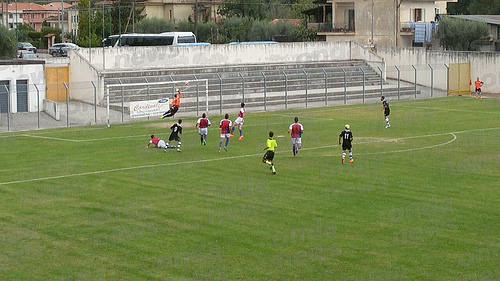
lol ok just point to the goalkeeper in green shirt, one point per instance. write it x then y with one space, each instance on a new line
271 145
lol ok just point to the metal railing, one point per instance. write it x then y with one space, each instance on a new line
220 93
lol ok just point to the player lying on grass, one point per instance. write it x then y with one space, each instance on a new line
271 145
202 125
157 143
295 130
346 137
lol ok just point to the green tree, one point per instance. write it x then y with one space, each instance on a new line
50 30
153 25
8 44
484 7
297 8
459 8
462 35
255 9
124 14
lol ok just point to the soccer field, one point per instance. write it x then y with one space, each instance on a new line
420 202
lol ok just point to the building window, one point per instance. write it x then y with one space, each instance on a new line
169 14
417 15
10 15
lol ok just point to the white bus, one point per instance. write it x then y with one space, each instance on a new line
145 39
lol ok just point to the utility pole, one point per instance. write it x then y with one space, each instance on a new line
62 21
371 41
196 18
133 16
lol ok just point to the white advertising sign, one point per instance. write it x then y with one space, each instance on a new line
149 108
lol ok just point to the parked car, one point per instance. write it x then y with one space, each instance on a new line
61 49
26 46
26 55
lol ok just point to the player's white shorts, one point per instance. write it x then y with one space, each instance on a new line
238 121
203 131
224 136
162 144
296 141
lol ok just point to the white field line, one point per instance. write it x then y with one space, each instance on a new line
121 137
449 109
48 138
408 149
223 158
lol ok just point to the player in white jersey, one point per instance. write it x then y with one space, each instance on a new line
239 121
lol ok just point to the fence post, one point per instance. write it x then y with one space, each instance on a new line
206 93
95 101
67 104
147 89
326 86
8 107
123 98
37 105
447 78
220 93
265 90
242 87
286 89
432 80
107 105
173 85
345 85
197 99
307 86
399 81
414 68
381 81
364 88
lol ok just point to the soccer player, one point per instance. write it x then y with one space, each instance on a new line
346 137
478 84
202 125
157 142
174 105
295 130
225 131
271 145
239 121
387 111
174 136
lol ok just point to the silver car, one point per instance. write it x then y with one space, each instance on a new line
61 49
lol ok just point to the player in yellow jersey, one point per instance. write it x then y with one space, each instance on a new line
271 145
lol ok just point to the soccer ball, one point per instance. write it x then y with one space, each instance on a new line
186 83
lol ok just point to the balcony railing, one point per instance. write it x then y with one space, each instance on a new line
328 27
407 27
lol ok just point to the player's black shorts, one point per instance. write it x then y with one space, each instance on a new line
346 146
478 90
269 155
387 111
174 137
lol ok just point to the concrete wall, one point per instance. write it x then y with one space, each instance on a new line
136 58
483 65
84 77
34 72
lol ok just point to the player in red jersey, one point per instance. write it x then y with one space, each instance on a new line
239 122
225 131
295 130
157 142
202 125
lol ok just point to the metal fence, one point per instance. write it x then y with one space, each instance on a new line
219 93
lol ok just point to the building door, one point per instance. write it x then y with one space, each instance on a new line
350 18
3 96
459 81
22 95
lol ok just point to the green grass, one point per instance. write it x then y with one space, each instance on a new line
417 204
